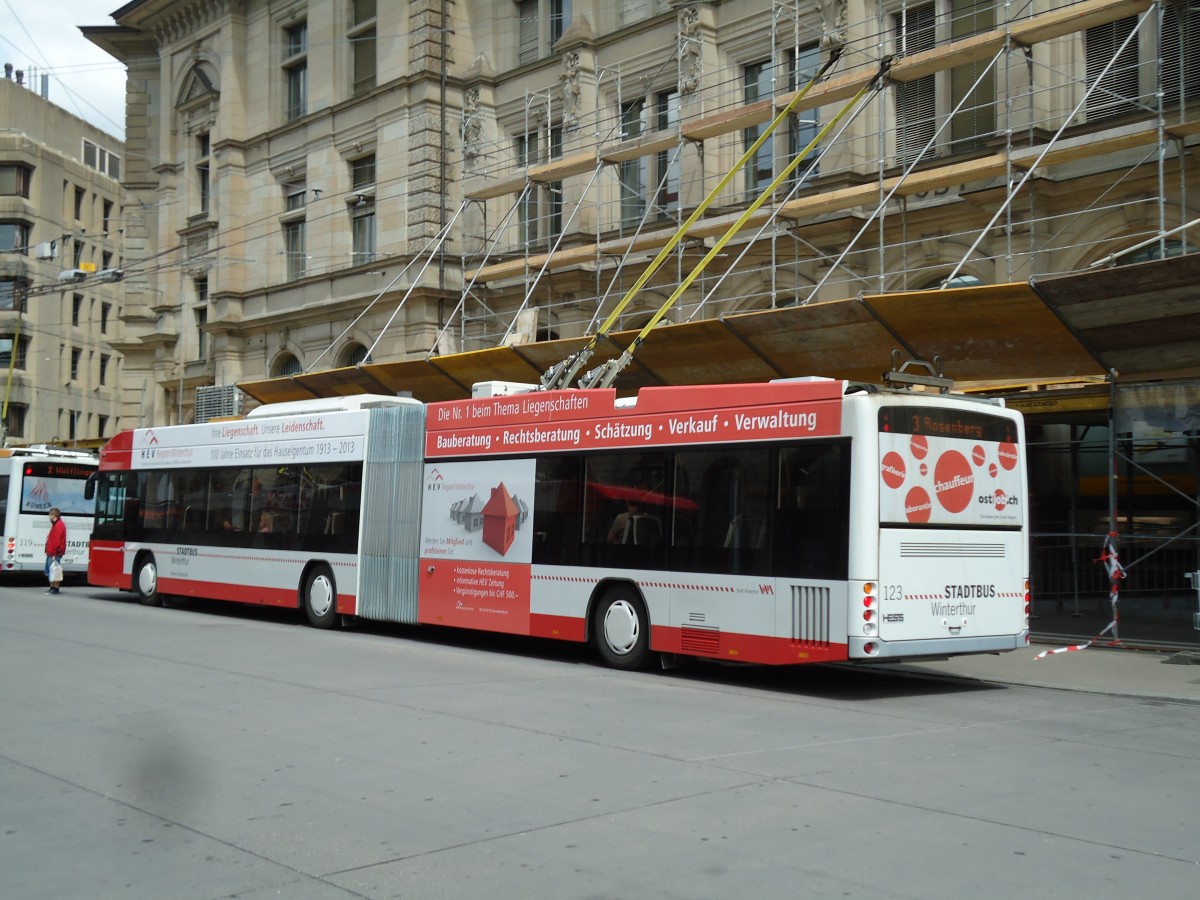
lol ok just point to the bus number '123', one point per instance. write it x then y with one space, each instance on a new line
891 592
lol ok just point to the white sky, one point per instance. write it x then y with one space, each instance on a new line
42 37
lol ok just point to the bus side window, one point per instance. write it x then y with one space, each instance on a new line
556 513
812 516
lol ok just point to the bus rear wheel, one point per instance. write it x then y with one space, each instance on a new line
621 629
145 582
320 597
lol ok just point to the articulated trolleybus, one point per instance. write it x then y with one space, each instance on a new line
796 521
34 480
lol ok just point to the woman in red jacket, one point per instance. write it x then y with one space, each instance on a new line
56 546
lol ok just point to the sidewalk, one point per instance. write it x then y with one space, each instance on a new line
1157 674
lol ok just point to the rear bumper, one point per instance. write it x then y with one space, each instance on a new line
942 647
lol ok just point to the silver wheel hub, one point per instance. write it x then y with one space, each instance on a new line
148 579
622 627
320 596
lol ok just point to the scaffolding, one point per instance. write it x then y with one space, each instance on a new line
1012 141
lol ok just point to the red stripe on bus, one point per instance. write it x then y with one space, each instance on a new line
750 648
559 628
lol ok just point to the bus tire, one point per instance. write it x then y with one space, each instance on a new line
320 597
621 628
145 581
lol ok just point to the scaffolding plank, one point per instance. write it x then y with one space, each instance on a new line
480 188
735 118
651 142
558 169
975 48
1071 19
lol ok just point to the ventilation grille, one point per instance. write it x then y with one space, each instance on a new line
700 640
218 401
810 615
951 551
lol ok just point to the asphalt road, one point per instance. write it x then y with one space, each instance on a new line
203 751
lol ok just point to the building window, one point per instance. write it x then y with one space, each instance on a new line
106 219
634 172
77 253
803 126
202 171
666 115
539 215
14 422
286 364
104 358
1117 91
76 356
539 24
79 195
916 106
362 209
96 157
293 248
975 120
362 46
362 231
76 309
13 292
362 172
1180 42
201 333
15 180
757 85
352 355
14 237
9 358
105 309
295 69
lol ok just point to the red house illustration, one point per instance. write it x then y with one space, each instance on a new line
500 520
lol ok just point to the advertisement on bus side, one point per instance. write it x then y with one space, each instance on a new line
477 545
285 440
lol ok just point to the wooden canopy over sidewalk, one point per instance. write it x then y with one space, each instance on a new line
1143 321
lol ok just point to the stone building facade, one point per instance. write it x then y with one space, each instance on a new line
62 250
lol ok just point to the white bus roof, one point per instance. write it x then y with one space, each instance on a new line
329 404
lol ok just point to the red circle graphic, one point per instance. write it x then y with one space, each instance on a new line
953 481
1008 456
919 446
978 456
1001 500
917 506
893 469
993 471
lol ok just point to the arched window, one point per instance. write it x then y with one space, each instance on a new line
285 364
958 281
1152 251
352 354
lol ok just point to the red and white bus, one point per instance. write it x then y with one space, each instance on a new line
795 521
34 480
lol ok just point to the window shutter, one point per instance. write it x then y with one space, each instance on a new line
527 34
1180 42
1117 92
916 109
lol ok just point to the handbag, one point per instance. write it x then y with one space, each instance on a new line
56 572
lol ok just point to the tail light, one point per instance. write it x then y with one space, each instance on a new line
870 608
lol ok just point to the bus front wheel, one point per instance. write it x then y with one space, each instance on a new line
320 597
621 629
145 582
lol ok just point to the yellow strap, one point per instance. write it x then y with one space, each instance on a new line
679 234
738 225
